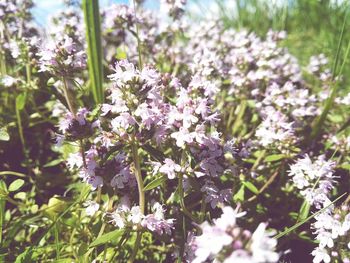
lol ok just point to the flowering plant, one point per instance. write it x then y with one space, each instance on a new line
208 143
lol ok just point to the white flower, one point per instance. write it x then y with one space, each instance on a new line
135 215
325 239
210 242
74 160
263 246
182 136
117 219
92 208
8 81
228 217
170 168
320 254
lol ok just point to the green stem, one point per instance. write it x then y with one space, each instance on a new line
20 130
67 96
258 160
238 121
57 243
28 73
140 187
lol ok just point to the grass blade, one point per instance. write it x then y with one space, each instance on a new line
330 100
292 228
93 37
2 215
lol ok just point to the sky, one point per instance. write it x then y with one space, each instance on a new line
45 8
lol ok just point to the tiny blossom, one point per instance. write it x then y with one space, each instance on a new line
306 173
182 137
8 81
75 160
214 196
221 241
331 229
91 207
170 168
275 129
62 57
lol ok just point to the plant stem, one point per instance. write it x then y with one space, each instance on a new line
138 176
182 201
67 97
141 195
258 160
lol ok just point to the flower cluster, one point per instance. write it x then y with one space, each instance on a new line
61 57
315 179
275 130
332 229
226 242
124 216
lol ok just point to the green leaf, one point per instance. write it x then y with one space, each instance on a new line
274 157
239 196
155 183
15 185
3 189
93 37
111 236
251 187
304 210
83 195
25 257
345 166
121 54
4 136
21 101
53 163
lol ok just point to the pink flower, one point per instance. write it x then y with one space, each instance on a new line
182 136
169 168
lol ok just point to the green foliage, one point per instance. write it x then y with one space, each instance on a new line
93 36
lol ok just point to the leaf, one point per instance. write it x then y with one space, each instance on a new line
53 163
239 196
345 166
83 194
93 36
15 185
21 101
251 187
304 210
274 157
107 237
121 54
4 136
155 183
25 257
3 190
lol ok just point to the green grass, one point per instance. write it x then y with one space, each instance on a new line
313 26
93 37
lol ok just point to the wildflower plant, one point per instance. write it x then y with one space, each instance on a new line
210 143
